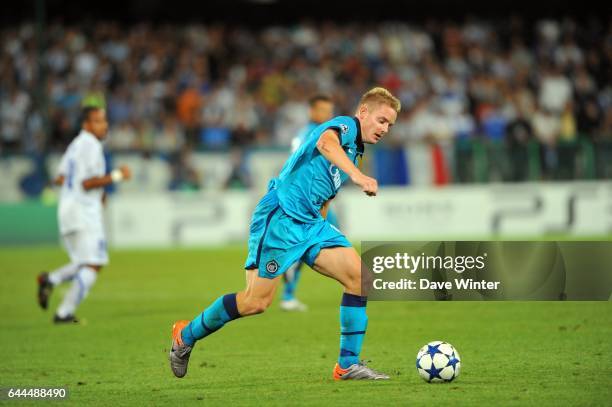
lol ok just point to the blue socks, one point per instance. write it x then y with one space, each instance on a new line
220 312
291 277
353 324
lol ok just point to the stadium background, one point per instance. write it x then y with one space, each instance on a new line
503 111
506 132
491 95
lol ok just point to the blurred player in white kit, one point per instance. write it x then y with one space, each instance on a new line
80 214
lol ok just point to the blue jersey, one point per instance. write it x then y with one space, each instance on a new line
308 180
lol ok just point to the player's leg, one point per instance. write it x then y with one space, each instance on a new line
63 274
258 295
254 299
82 283
344 265
87 248
46 281
291 277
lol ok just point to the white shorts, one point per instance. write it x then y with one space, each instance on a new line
86 246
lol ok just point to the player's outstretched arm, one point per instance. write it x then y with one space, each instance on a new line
117 175
329 146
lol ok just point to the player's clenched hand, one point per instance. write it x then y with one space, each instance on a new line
125 171
368 185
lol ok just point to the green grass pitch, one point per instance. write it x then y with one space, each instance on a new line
513 353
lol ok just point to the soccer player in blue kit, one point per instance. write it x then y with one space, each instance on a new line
321 110
289 224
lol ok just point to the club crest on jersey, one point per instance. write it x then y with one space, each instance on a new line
343 128
335 174
272 266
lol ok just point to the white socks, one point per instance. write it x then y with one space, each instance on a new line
82 283
64 273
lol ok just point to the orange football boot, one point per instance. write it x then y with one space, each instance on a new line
179 352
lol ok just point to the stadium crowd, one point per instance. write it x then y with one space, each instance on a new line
169 89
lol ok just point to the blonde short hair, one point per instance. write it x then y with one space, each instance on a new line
380 95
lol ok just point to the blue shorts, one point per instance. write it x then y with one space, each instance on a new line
277 240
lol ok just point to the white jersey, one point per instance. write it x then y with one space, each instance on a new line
80 209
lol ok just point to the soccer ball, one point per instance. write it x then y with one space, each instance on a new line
438 362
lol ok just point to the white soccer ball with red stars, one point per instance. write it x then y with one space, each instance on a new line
438 362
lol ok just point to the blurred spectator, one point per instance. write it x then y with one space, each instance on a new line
546 128
519 134
184 175
555 91
13 109
589 117
187 108
123 137
181 88
169 138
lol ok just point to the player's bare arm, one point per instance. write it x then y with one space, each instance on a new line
329 146
120 174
